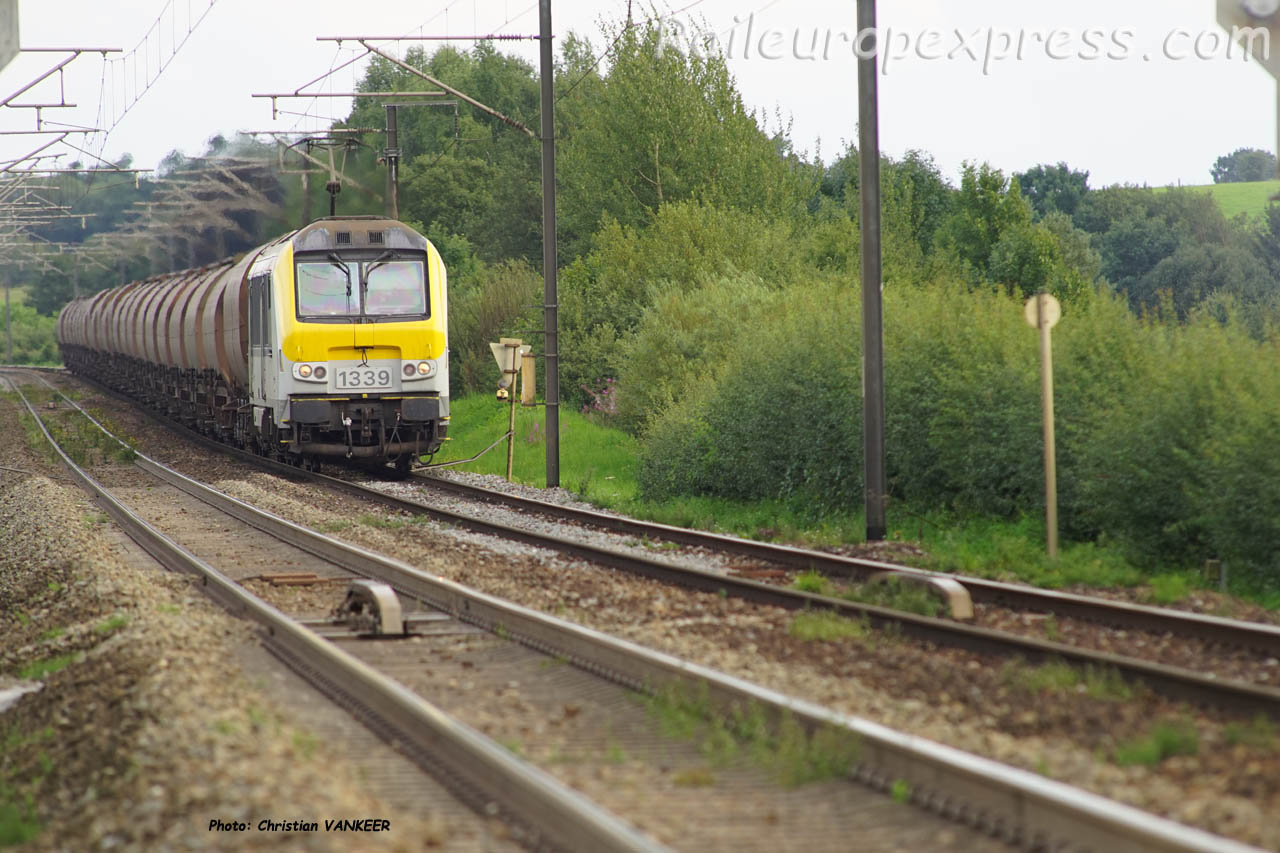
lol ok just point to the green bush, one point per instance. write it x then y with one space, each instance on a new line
34 341
498 302
1186 468
680 341
782 418
1165 433
604 295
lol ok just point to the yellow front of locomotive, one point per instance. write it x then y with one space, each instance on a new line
362 369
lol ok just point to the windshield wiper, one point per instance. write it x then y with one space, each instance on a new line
336 261
389 254
366 271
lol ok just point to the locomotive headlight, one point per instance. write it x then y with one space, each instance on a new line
414 370
310 372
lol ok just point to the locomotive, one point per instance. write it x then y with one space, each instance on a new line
328 343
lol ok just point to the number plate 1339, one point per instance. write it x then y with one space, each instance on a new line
363 378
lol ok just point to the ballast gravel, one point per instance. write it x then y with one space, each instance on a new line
945 695
153 716
1230 784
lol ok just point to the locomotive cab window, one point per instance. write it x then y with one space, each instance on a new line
342 288
259 311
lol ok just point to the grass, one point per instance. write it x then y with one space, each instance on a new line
1235 199
1014 550
896 595
1060 677
1258 733
615 754
382 523
596 462
694 777
18 822
785 750
823 626
1165 740
1170 588
81 440
111 624
46 666
813 582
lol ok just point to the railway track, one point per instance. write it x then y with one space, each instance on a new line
1208 688
1260 637
1019 805
482 772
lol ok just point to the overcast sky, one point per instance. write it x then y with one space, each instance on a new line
1118 90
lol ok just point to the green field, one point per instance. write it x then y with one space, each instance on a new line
596 461
1235 199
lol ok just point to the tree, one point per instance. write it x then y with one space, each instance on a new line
1244 165
464 172
1196 271
1053 188
665 126
986 207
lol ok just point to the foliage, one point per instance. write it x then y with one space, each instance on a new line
681 339
474 174
1165 740
33 335
604 295
913 183
795 375
675 129
987 206
500 299
1208 487
1244 165
1053 189
1174 250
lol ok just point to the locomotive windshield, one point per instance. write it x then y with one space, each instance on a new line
336 289
394 287
324 289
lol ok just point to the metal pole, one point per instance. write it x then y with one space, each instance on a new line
872 337
1050 450
306 199
550 321
513 354
8 326
393 164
